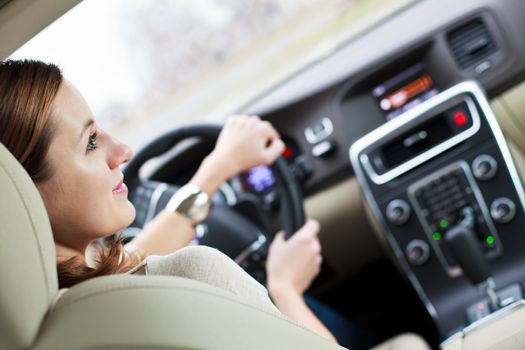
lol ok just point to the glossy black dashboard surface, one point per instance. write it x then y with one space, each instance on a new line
425 35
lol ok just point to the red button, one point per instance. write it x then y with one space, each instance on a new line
460 118
287 153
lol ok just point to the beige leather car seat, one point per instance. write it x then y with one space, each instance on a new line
122 311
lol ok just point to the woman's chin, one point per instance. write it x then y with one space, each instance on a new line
132 213
127 214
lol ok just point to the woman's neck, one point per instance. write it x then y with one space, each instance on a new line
64 253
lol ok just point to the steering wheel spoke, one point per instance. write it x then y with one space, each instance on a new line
149 198
253 258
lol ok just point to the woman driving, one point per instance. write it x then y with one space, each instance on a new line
48 127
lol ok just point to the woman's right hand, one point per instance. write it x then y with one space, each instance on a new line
243 143
246 142
292 264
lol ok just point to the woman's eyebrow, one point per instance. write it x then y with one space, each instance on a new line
87 125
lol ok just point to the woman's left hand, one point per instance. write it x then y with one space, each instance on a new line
292 264
291 267
246 142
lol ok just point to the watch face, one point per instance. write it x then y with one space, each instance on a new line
199 208
191 202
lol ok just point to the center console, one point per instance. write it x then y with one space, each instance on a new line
443 188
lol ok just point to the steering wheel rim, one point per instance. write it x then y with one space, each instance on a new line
292 215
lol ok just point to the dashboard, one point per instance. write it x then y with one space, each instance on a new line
408 58
372 82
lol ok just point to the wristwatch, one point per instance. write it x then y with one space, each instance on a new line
191 202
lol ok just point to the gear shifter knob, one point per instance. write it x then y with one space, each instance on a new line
466 249
468 254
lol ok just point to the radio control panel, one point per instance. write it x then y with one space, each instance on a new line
445 193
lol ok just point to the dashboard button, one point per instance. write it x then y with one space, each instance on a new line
503 210
398 211
484 167
323 149
319 131
417 252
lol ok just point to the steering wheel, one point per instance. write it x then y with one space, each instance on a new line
239 233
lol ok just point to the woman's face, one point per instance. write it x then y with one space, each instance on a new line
85 198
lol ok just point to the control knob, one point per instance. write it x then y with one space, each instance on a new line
417 252
503 210
484 167
398 211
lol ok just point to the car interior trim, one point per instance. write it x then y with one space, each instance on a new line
500 139
485 321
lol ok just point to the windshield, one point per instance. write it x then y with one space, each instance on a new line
146 66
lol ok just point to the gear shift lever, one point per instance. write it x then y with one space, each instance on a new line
468 254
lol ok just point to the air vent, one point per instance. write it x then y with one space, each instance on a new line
471 43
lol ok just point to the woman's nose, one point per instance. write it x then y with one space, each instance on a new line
120 153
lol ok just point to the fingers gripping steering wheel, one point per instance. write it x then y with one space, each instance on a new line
227 229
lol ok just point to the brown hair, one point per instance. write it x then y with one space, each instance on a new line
27 91
109 260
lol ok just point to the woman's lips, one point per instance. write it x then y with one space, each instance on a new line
121 188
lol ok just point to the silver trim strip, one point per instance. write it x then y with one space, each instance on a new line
500 140
154 200
465 87
258 243
400 123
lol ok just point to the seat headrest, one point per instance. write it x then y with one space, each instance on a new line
27 256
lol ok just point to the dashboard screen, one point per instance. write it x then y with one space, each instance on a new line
259 179
404 91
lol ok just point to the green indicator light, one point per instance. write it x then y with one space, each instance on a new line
490 240
443 223
437 236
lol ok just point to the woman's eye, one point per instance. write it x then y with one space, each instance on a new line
92 142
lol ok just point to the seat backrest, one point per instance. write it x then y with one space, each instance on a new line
28 278
171 312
